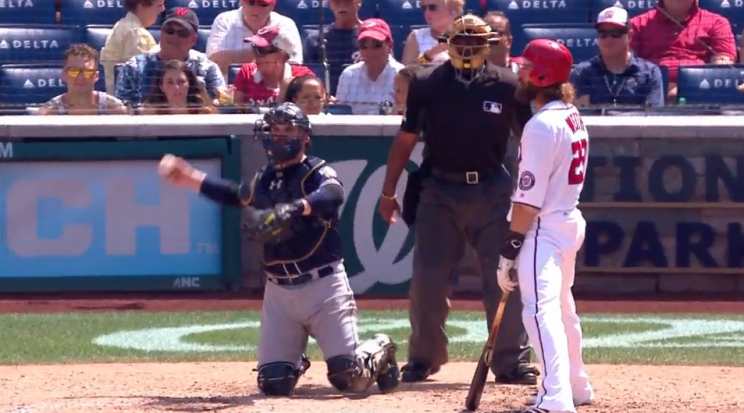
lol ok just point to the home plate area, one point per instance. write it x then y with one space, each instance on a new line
230 387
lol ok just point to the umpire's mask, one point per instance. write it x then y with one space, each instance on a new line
468 39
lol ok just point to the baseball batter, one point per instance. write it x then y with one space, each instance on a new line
547 228
292 206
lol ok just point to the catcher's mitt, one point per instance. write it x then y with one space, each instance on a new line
265 225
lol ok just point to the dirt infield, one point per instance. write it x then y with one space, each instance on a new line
230 387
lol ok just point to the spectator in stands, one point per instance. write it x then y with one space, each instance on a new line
500 53
680 33
307 92
400 92
178 36
130 37
262 82
225 44
741 48
80 74
423 44
369 84
616 76
340 40
177 91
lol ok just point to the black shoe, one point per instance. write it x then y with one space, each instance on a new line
415 371
304 366
522 374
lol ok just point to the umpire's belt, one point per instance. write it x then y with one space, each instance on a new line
465 178
312 275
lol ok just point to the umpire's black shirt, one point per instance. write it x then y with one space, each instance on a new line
465 128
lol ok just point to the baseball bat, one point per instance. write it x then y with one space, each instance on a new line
484 363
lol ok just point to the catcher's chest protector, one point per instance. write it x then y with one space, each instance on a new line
307 232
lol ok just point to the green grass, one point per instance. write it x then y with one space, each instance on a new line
69 338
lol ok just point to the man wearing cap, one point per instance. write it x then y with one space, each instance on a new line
225 45
261 82
369 83
617 76
178 36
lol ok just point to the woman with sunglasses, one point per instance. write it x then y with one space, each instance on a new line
80 74
308 93
423 45
177 91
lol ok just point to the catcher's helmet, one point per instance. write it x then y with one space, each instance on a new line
546 63
285 145
468 39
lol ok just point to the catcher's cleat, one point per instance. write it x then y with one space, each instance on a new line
388 374
304 365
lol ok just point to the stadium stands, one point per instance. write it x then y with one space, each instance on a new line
34 36
710 84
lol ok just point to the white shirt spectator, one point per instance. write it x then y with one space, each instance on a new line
425 42
228 32
364 95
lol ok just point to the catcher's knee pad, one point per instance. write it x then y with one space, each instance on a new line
277 379
346 374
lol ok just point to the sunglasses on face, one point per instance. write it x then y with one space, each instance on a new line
370 44
429 7
73 73
182 33
615 34
263 51
257 3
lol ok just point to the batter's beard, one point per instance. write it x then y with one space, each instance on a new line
526 93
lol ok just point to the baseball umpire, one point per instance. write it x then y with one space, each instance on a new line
470 112
292 208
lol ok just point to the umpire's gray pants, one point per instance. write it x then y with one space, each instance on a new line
448 216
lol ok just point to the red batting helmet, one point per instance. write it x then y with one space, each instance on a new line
547 63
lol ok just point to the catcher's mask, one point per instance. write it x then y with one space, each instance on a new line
469 39
282 132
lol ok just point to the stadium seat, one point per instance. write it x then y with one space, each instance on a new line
207 10
338 109
581 39
84 12
37 12
305 11
711 84
32 83
402 12
36 43
317 68
233 73
201 41
730 9
97 34
634 7
665 78
530 11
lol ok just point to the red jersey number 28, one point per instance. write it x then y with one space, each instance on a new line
578 162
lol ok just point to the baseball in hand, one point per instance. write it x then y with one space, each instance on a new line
167 165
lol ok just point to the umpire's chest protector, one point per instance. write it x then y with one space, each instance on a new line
307 241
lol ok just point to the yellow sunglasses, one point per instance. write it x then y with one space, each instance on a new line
88 73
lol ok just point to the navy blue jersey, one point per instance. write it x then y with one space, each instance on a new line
312 240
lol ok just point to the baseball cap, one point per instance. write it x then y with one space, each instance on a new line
615 16
183 16
272 36
375 29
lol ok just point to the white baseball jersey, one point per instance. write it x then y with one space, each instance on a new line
553 155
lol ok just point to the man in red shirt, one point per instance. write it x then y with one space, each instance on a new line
680 33
260 83
499 54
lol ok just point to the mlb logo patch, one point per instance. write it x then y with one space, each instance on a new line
492 107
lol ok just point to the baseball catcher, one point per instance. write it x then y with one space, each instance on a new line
292 208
